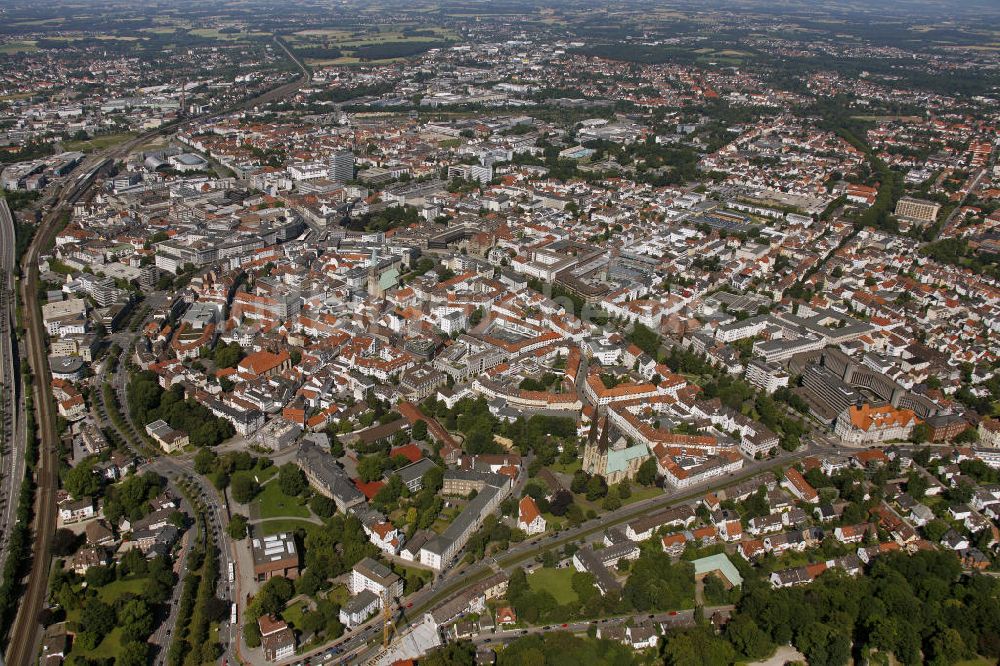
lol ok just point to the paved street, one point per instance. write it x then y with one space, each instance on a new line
12 440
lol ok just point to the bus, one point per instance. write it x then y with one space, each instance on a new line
232 572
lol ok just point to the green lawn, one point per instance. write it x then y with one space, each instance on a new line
553 523
293 614
558 582
448 515
339 595
640 493
272 503
263 475
404 572
279 525
24 46
569 469
98 142
106 649
112 591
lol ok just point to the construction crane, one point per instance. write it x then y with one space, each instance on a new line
386 619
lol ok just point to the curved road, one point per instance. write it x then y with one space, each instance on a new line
25 633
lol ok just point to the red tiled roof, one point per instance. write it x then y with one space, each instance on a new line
411 452
369 490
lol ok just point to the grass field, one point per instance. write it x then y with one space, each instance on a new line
405 572
98 142
212 33
272 503
24 46
293 614
640 493
109 648
112 591
447 515
269 527
557 582
553 523
339 595
567 469
262 475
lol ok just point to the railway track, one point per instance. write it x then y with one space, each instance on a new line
24 636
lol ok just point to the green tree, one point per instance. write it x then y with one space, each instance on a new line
308 583
244 487
227 355
696 647
65 542
322 506
647 472
370 468
272 597
292 480
916 484
921 433
935 529
136 620
97 618
204 461
747 637
133 654
237 526
81 481
597 488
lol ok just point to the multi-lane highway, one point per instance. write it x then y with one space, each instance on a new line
11 423
26 631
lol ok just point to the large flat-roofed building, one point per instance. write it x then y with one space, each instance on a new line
462 482
274 555
342 166
369 574
327 477
439 551
917 209
359 608
413 474
829 394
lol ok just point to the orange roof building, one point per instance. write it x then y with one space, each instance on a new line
529 517
865 424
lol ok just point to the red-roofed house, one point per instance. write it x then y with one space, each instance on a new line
530 518
264 363
798 486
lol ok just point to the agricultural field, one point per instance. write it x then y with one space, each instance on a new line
19 46
320 46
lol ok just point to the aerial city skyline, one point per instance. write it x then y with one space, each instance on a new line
464 332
